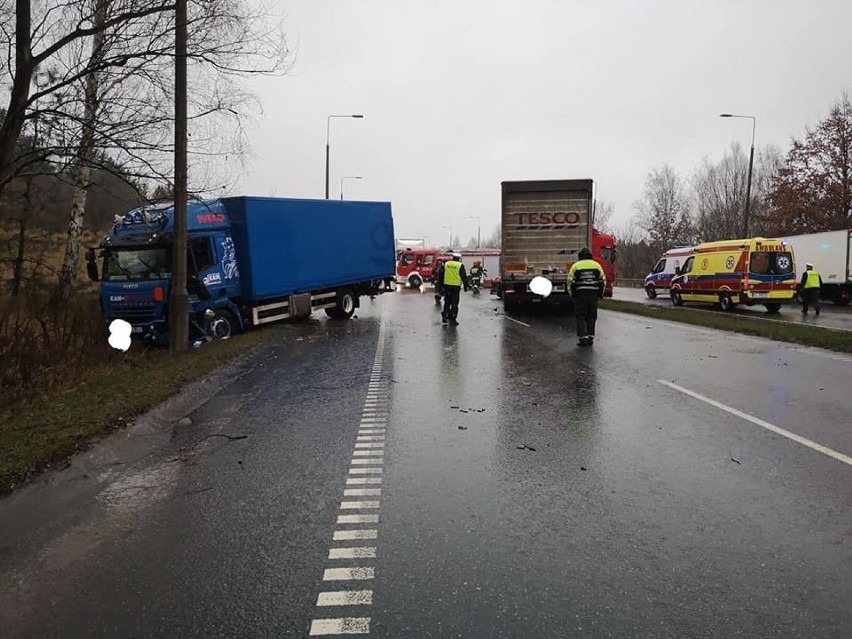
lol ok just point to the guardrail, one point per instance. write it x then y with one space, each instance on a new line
625 282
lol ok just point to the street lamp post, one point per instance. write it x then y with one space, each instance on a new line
750 167
450 245
328 145
478 227
347 177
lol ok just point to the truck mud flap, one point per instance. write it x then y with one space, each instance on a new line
300 305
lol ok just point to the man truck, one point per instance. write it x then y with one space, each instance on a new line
545 223
831 254
250 260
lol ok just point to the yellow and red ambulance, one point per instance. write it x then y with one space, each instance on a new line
752 271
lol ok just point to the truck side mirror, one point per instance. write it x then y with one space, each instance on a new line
91 265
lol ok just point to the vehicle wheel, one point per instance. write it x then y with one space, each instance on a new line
773 308
346 304
224 324
677 300
651 291
725 302
415 281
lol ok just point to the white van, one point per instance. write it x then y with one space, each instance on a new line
660 277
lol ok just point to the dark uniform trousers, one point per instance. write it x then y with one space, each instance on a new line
451 301
586 311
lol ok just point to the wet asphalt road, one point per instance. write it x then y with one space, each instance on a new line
528 488
831 315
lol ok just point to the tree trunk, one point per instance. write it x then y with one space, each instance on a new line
83 162
23 222
10 130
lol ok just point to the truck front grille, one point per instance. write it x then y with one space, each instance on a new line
135 314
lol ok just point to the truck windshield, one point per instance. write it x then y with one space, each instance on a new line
123 265
607 254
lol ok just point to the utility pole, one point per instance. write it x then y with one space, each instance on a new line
179 297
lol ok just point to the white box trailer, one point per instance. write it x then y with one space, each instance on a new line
831 254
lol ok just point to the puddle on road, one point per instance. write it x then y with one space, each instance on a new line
139 490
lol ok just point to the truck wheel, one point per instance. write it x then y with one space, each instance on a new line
224 324
677 300
651 291
347 302
773 308
725 302
415 281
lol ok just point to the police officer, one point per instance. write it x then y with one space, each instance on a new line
587 282
809 288
454 279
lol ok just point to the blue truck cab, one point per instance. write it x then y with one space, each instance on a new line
250 261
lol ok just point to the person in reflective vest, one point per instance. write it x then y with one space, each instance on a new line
454 279
809 289
587 281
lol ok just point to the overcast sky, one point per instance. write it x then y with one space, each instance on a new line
459 96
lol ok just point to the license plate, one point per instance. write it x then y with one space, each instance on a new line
136 329
760 294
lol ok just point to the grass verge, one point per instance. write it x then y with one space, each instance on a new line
796 333
48 429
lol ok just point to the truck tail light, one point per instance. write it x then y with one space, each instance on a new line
158 293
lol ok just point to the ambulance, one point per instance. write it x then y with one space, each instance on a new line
665 269
731 272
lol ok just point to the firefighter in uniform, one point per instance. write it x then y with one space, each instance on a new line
587 281
809 286
437 281
454 279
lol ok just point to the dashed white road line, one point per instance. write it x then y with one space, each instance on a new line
358 552
804 441
345 598
349 535
342 626
366 463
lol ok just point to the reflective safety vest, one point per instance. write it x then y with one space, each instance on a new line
452 273
812 280
586 275
475 271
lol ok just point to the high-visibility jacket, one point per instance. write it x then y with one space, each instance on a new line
586 275
452 273
811 279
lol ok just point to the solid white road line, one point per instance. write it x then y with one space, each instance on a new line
359 552
346 598
349 535
754 420
348 574
357 519
357 505
342 626
512 319
360 481
362 492
365 471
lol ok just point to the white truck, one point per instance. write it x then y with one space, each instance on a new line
831 254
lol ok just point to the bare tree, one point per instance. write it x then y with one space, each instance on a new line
663 209
603 215
495 239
